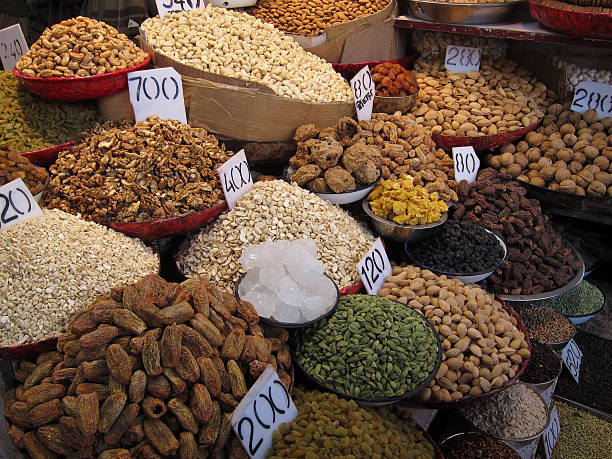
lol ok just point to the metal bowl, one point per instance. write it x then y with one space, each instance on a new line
464 13
402 233
582 318
391 105
557 346
276 323
447 442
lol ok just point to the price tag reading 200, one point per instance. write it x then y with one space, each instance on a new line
363 93
235 177
157 92
374 268
266 406
16 204
462 59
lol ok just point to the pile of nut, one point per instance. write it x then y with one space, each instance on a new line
301 17
154 368
14 165
79 47
232 44
29 122
429 43
271 211
154 169
500 97
575 73
393 80
538 259
321 163
53 266
482 346
570 152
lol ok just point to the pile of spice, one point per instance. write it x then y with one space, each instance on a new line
273 211
544 364
546 325
154 169
477 446
584 299
370 347
349 430
459 247
14 165
154 368
54 265
582 434
515 413
29 122
403 202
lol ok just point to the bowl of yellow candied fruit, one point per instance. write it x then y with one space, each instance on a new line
403 211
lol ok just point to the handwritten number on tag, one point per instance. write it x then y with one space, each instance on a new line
465 163
363 84
145 86
373 265
466 56
16 204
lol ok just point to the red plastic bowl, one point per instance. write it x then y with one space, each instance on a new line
487 142
578 21
47 156
352 289
80 88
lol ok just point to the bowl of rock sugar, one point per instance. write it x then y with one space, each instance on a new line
286 283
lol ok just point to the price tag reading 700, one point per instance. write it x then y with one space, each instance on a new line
16 204
157 92
363 93
462 59
173 6
374 268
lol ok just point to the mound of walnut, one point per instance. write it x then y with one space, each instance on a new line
154 369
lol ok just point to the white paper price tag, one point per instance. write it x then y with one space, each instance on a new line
374 267
590 94
174 6
157 92
235 177
12 46
466 163
265 406
363 93
16 204
551 434
462 59
572 357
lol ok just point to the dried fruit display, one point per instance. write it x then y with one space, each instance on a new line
154 169
154 368
393 80
14 165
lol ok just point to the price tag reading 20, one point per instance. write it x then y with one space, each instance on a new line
235 177
174 6
266 406
462 59
374 268
157 92
16 204
466 163
363 93
572 357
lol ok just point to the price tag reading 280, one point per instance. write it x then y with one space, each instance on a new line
266 406
174 6
235 177
157 92
363 93
597 96
462 59
16 204
466 163
374 268
12 46
572 357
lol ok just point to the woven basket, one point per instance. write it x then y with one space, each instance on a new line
487 142
80 88
579 21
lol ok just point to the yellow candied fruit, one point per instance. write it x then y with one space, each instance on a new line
403 202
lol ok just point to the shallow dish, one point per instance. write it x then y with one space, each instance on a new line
345 197
397 232
485 142
464 13
267 320
466 278
447 442
391 105
582 318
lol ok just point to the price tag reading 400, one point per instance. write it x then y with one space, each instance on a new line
235 178
265 406
12 46
462 59
174 6
157 92
374 268
16 204
466 163
551 434
572 357
363 93
590 94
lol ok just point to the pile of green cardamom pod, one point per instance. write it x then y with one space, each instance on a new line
371 347
328 426
29 122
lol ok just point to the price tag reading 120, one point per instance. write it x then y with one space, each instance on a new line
590 94
363 93
266 406
16 204
551 434
572 357
466 163
374 268
12 46
235 177
174 6
462 59
157 92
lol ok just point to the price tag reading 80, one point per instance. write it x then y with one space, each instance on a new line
593 95
363 93
157 92
266 406
374 268
462 59
551 434
466 163
174 6
572 357
16 204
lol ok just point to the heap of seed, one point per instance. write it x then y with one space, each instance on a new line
546 325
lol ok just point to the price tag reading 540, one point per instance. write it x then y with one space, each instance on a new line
157 92
235 178
174 6
374 268
572 357
363 93
16 204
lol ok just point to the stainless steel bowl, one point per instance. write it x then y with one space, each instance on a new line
397 232
464 13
